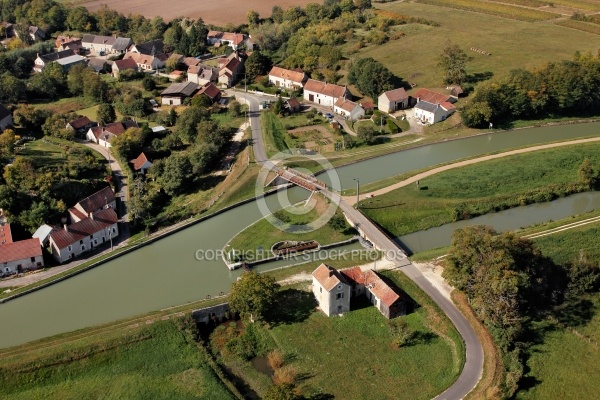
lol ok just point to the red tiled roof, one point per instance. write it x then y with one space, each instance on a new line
80 122
396 94
328 277
345 104
430 96
293 102
446 105
97 200
5 234
77 213
354 275
324 88
367 104
139 162
23 249
235 38
115 128
385 293
127 63
194 69
209 89
232 65
282 73
77 231
191 61
139 58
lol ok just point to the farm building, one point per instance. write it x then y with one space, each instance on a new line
20 256
176 93
80 125
103 135
432 107
286 78
323 93
393 100
122 65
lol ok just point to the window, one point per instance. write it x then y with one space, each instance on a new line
69 248
339 287
339 296
91 236
32 259
81 241
320 289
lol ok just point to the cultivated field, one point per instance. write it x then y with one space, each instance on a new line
212 12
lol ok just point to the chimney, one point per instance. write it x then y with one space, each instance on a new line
66 227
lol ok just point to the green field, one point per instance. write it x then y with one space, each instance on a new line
156 362
351 357
512 44
263 234
481 188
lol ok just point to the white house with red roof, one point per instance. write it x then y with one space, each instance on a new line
102 199
287 78
348 109
17 257
85 235
393 100
333 289
323 93
103 135
432 107
233 40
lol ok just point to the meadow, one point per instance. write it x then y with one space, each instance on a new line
475 190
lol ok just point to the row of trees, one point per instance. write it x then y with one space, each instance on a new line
508 281
564 88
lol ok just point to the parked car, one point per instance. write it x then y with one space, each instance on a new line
328 115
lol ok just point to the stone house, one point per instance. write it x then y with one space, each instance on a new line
229 71
150 48
80 125
233 40
103 135
393 100
286 78
211 90
41 61
348 109
21 256
6 119
102 199
331 290
202 74
122 65
323 93
432 107
84 235
328 283
147 62
97 44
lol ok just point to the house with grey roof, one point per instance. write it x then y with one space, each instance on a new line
42 60
98 45
150 48
175 94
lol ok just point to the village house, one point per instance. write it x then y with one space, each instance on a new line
147 62
202 74
348 109
331 290
84 235
229 68
102 45
210 90
68 43
432 107
41 61
330 287
122 65
71 61
190 61
233 40
286 78
102 199
43 234
141 164
80 125
100 64
176 93
323 93
103 135
6 119
20 256
393 100
150 48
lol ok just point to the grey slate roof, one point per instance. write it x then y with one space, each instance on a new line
182 89
146 48
59 55
121 44
3 112
423 105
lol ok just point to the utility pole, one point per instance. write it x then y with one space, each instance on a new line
109 228
357 191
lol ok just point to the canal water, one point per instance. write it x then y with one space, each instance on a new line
168 272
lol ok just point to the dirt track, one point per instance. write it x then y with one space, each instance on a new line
212 12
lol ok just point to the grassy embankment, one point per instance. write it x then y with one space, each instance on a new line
481 188
355 349
158 361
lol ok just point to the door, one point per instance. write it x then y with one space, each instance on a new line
311 97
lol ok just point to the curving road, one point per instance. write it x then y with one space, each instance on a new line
473 367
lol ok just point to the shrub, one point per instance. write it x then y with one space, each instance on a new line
285 375
275 359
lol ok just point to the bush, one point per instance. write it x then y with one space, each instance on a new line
275 359
392 127
285 375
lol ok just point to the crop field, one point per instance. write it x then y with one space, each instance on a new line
512 44
590 5
212 12
497 9
581 26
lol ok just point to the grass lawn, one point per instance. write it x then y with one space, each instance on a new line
50 152
263 234
521 44
67 105
481 188
155 362
352 357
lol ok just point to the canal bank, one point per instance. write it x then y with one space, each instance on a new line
166 273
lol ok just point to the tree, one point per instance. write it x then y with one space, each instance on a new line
370 77
13 89
7 142
176 175
476 114
172 117
78 19
277 14
20 175
252 295
30 117
257 64
253 17
187 122
586 173
278 106
282 391
235 108
453 61
366 133
106 114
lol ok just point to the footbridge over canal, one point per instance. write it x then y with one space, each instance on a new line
473 367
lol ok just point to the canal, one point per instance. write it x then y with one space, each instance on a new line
168 273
